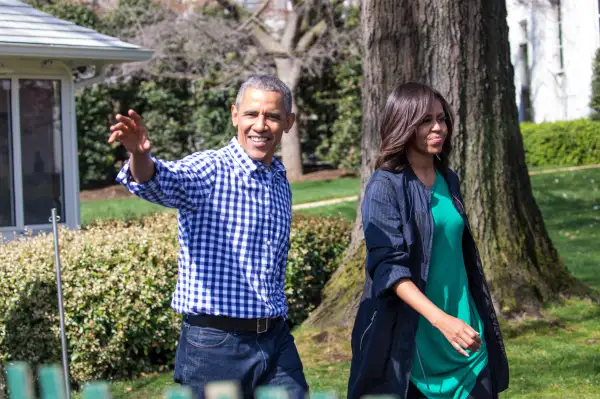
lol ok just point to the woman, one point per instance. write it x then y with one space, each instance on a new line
426 326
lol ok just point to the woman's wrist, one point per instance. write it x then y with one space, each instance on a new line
436 316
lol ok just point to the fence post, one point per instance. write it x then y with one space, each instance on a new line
51 382
96 390
222 390
267 392
54 218
19 381
178 392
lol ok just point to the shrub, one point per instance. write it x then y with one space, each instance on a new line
562 143
341 146
97 158
118 279
315 249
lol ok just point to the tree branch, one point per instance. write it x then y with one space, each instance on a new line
267 42
254 16
291 30
309 36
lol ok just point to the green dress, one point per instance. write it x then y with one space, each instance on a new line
448 374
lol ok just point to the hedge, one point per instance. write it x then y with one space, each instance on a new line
118 278
567 143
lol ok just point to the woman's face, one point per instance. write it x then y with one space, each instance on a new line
431 133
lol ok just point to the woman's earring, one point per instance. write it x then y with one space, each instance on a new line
438 157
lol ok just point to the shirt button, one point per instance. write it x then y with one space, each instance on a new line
269 243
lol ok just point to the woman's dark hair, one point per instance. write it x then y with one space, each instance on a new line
406 108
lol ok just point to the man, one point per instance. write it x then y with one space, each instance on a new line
234 214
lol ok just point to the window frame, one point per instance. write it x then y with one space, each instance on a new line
70 173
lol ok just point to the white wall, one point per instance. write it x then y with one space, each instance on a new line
581 39
559 90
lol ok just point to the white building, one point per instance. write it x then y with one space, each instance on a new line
553 45
38 137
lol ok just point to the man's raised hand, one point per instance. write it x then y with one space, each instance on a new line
131 133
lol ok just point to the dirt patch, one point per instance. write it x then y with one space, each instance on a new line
328 174
110 192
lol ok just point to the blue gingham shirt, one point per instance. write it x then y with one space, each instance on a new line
234 217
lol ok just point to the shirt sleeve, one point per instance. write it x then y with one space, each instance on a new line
387 253
182 184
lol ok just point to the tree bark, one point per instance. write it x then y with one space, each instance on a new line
288 70
460 48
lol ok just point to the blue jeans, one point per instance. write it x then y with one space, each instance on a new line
206 354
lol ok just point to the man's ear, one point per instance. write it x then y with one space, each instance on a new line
234 115
290 119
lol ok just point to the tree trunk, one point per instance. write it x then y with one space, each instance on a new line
461 48
288 70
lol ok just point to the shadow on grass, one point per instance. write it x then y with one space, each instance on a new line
556 320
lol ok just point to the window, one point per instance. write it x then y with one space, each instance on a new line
524 74
7 198
41 149
31 152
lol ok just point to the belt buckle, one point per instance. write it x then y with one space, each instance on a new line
258 329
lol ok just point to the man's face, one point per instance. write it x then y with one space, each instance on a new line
261 120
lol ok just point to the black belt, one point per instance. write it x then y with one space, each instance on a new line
232 324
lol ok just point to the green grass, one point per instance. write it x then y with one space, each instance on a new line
346 210
133 207
302 192
117 208
570 204
147 387
313 191
558 357
555 357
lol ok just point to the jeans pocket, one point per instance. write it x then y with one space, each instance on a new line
206 337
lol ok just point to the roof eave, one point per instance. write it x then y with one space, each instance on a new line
112 55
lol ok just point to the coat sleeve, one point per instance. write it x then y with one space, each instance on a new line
387 252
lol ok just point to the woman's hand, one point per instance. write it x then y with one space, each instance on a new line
460 335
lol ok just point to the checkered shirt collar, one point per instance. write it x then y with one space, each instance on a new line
248 164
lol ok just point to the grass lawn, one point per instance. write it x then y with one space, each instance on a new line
302 192
346 210
313 191
117 208
558 357
132 207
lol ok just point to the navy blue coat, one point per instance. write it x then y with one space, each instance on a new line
398 227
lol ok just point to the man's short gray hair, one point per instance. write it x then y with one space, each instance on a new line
268 83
